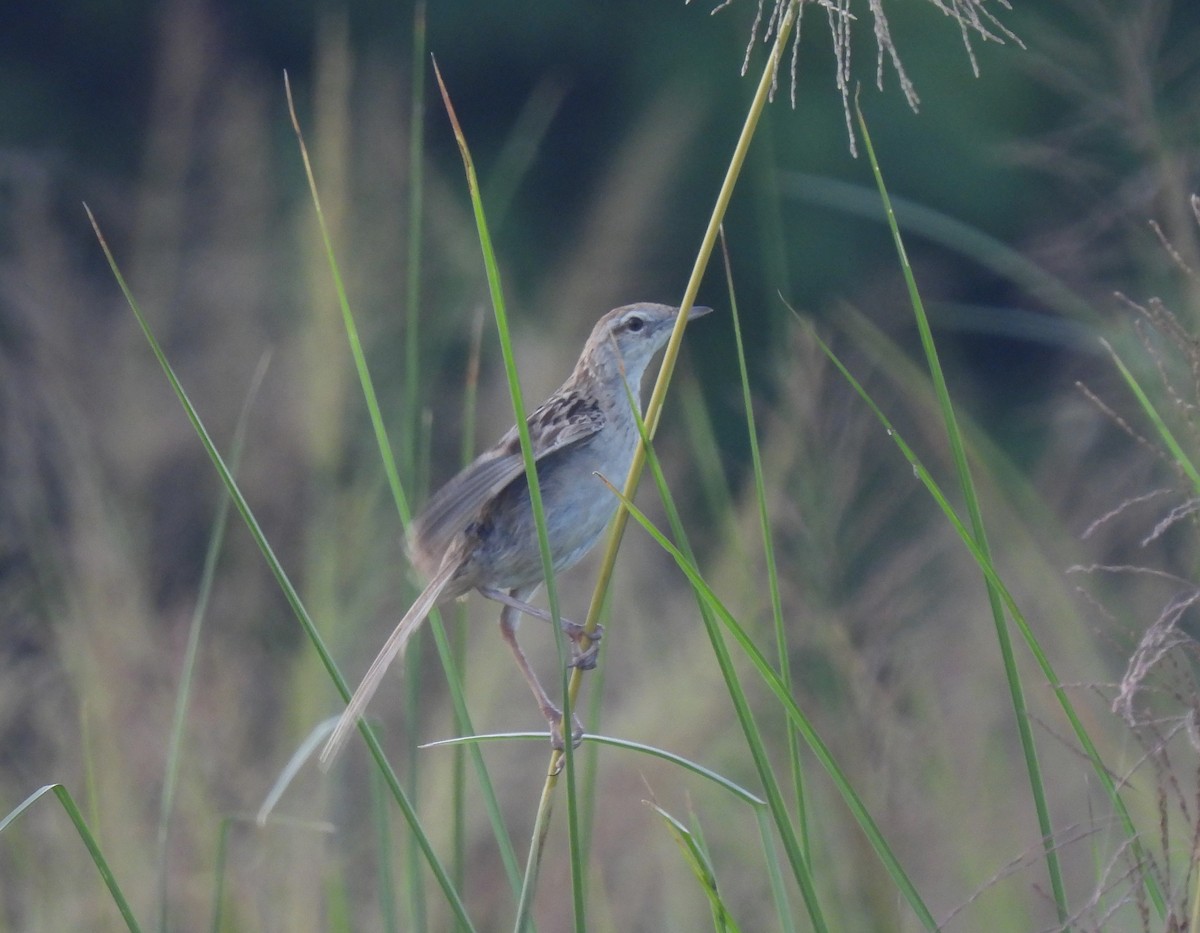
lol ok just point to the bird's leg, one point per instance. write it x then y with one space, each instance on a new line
582 658
514 604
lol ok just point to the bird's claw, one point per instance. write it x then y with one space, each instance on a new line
583 659
556 733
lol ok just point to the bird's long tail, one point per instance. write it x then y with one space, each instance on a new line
391 649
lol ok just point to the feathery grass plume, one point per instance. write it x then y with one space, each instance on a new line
974 18
1158 694
1126 72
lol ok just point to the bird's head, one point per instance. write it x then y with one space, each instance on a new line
627 338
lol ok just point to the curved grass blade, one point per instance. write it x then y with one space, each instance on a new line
412 269
795 714
300 757
698 861
356 350
658 395
938 227
525 905
768 545
653 411
979 534
653 751
89 842
1182 460
183 696
1103 775
285 584
797 857
449 664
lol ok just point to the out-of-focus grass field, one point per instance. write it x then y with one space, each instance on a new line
1026 197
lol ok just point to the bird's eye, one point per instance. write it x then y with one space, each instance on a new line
635 324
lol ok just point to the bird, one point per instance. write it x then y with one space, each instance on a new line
477 532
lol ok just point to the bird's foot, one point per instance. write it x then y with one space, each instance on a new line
583 658
554 717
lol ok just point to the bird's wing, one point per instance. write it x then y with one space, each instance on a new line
563 421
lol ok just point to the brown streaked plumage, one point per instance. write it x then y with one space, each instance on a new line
477 531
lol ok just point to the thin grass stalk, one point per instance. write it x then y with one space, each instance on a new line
487 791
458 644
89 841
416 195
216 541
589 754
691 844
783 909
383 837
937 227
820 750
1194 912
670 355
1133 838
1178 455
524 907
410 413
285 585
653 412
684 557
414 888
797 855
456 647
979 532
356 350
768 543
707 470
450 666
219 873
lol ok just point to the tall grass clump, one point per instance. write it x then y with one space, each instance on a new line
845 682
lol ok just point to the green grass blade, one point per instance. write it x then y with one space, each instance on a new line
797 858
671 353
612 741
701 866
449 665
219 872
487 791
773 682
983 561
381 818
709 475
525 906
183 696
285 584
768 544
456 649
979 534
783 909
410 420
1182 460
935 226
89 842
356 350
412 294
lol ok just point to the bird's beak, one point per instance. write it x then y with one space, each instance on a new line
698 311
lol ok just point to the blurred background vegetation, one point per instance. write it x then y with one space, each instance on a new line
601 133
